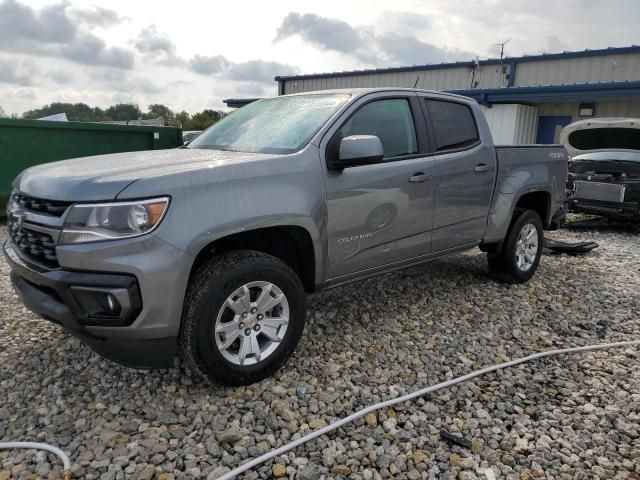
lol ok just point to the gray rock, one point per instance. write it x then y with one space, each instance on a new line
567 417
224 437
310 471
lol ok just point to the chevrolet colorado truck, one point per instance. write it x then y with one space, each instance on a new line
207 250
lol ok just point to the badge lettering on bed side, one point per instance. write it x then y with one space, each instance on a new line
556 155
360 236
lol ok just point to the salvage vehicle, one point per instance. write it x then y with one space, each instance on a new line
604 171
207 250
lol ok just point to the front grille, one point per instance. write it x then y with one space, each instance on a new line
34 246
52 207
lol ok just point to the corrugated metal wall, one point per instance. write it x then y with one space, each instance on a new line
604 68
486 76
609 108
512 124
588 69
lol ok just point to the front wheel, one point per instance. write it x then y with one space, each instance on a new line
520 255
243 317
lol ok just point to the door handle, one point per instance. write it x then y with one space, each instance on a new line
481 168
419 177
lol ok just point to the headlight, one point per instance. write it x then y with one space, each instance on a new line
110 221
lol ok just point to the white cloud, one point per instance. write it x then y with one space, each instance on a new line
193 55
53 32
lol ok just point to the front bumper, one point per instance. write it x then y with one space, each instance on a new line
151 271
610 209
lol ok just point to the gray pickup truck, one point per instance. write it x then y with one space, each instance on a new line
208 250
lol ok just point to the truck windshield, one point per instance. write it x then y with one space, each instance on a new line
277 125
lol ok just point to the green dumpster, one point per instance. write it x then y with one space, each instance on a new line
24 143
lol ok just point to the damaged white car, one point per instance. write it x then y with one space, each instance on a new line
604 171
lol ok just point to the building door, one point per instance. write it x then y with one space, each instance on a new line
549 127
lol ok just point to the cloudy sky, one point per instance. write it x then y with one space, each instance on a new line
192 54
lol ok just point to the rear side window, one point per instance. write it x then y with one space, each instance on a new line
391 121
453 125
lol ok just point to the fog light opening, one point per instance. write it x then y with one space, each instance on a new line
102 303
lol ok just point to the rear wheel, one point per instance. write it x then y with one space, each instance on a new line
520 255
243 317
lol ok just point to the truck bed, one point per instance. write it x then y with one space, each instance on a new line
523 169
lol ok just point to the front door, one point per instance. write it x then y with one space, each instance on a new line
549 128
382 213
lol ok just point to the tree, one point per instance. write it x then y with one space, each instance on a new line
182 119
123 112
51 109
81 112
76 112
203 120
158 110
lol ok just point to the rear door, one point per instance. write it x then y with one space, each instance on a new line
381 213
465 173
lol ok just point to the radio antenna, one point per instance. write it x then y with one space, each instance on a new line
501 45
415 84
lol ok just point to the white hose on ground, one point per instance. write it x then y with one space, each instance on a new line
41 446
410 396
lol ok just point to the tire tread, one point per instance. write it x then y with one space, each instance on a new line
212 274
501 264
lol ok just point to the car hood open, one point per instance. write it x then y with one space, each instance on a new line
607 134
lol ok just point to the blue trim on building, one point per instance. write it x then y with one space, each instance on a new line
548 93
471 64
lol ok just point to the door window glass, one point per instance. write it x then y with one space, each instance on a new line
391 121
453 125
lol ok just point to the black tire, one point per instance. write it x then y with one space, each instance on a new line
208 291
505 263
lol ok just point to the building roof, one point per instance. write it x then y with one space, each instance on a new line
550 93
238 102
471 63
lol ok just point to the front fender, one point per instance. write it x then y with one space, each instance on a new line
217 232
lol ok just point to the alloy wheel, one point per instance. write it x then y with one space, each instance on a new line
527 247
251 323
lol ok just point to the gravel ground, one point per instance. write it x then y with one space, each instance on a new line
566 417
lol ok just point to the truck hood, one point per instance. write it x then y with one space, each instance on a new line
602 135
102 177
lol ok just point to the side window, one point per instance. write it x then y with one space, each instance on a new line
453 125
391 121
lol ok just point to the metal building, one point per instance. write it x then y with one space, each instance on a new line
527 99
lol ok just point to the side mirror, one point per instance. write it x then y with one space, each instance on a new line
358 150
